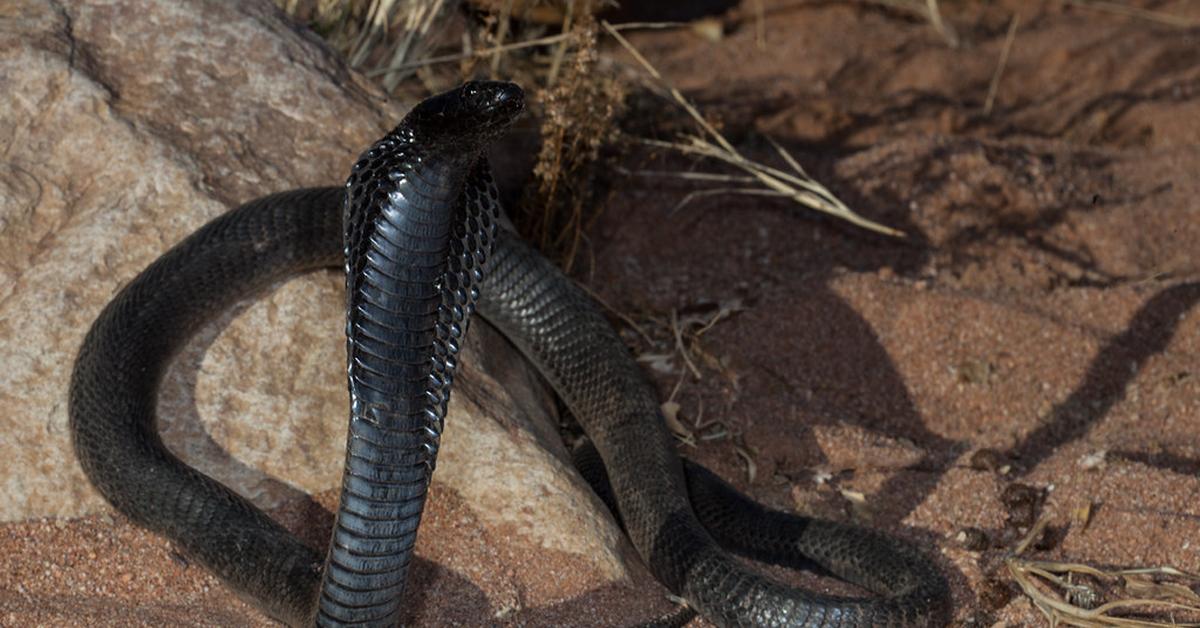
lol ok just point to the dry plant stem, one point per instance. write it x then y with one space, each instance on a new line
634 26
529 43
1033 535
802 189
806 192
787 157
362 30
805 183
760 25
927 9
683 102
501 33
943 29
695 176
517 45
679 346
699 422
615 312
561 52
751 468
698 194
1059 611
576 124
1124 9
994 86
1057 566
722 314
376 23
419 18
916 7
675 389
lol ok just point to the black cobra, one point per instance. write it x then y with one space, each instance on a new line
418 230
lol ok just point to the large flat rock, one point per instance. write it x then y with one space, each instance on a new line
128 125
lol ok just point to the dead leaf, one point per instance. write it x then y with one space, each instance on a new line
670 411
751 468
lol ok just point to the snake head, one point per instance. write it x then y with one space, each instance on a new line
468 116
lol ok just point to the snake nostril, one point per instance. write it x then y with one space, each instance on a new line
508 96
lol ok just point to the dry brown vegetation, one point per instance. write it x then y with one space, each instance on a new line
576 124
577 94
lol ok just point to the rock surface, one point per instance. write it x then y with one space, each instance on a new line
127 127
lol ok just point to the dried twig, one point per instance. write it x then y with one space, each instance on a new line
994 86
416 21
468 53
677 332
697 176
1082 603
787 157
1039 579
691 196
760 25
683 102
1032 536
1144 14
483 52
615 312
561 52
751 467
927 9
379 37
943 29
501 33
799 187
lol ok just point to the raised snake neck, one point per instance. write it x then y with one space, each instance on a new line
419 243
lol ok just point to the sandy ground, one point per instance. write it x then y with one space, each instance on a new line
1032 350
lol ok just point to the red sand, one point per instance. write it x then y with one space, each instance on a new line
1044 309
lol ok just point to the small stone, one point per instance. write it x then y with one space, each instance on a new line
988 460
994 594
1093 460
1023 503
975 371
973 539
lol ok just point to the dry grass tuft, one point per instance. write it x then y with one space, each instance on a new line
578 110
929 10
378 37
392 39
994 85
795 185
1073 594
1136 12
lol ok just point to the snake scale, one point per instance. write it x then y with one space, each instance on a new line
416 230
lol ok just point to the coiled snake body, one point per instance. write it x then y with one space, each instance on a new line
421 247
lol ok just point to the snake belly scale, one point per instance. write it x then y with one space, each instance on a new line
416 230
